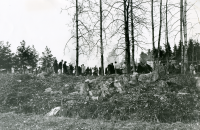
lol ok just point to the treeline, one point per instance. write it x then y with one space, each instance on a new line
167 53
25 57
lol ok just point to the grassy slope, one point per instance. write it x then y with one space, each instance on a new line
11 121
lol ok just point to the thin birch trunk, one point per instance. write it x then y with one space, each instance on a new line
101 40
181 35
167 40
77 39
160 30
185 36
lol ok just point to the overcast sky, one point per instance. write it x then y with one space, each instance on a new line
41 23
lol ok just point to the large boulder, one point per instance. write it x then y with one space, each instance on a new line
42 75
155 76
118 86
53 111
148 78
133 78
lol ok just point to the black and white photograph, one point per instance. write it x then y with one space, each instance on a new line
99 64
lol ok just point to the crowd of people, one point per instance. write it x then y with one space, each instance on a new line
116 68
63 68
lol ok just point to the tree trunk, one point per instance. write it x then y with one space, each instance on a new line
193 54
127 42
153 43
132 33
77 39
101 40
167 40
159 37
185 36
181 35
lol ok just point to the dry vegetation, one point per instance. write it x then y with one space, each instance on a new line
24 104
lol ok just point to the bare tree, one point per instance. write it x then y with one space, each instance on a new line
181 35
166 33
132 33
101 39
185 36
77 39
152 26
126 32
160 27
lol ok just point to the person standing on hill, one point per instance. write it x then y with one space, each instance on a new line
60 67
82 69
55 66
71 69
95 73
112 69
65 68
117 68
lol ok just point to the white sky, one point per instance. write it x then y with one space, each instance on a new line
40 23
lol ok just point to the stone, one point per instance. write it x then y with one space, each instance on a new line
78 86
66 85
132 82
41 75
198 83
56 92
82 89
53 111
104 88
133 79
148 78
19 81
162 84
48 90
94 98
87 80
134 76
155 76
118 86
74 93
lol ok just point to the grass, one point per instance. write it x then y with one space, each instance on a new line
12 121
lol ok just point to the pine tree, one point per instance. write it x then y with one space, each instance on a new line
47 58
5 56
26 56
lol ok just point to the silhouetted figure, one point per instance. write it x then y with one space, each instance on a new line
95 73
60 67
106 70
90 71
87 71
55 66
112 69
99 70
71 68
79 70
65 68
